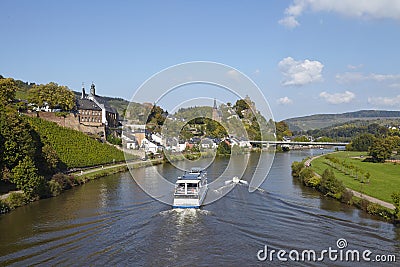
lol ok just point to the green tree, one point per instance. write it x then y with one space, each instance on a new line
301 139
240 106
53 95
324 139
7 91
25 176
282 129
330 185
380 150
156 119
296 168
18 138
306 174
362 142
223 149
51 159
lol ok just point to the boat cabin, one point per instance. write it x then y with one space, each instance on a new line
190 183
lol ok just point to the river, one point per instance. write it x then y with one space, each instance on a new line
111 221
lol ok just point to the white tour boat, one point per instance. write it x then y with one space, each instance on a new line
190 189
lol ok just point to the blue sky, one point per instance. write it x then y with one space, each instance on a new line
307 56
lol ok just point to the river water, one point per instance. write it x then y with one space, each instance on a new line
111 221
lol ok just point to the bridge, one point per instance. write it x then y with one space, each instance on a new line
293 143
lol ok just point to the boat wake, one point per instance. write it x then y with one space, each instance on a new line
185 212
234 182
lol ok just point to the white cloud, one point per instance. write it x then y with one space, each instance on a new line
300 72
289 22
284 101
358 76
384 77
384 101
354 67
233 74
376 9
338 98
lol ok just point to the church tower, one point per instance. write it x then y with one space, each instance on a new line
92 90
215 113
83 92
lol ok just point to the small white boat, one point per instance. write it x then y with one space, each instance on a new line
191 189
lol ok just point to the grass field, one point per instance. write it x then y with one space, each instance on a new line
385 177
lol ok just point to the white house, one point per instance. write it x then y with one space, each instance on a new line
157 138
148 146
208 144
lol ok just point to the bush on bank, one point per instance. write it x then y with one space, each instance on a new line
329 185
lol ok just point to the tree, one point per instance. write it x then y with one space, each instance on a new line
18 138
330 185
51 159
380 150
53 95
239 106
367 177
301 139
7 91
223 149
362 142
282 129
25 176
296 168
156 119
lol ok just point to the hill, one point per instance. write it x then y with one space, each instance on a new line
319 121
75 149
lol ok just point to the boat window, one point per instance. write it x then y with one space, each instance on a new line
191 185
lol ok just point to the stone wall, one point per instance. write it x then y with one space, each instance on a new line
70 121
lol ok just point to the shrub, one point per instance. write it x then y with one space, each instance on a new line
306 174
347 196
15 200
296 168
396 203
55 188
64 180
114 140
314 181
374 209
330 185
363 204
4 208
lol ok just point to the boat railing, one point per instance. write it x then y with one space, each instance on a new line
190 191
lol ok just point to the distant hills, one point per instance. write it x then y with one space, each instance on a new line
319 121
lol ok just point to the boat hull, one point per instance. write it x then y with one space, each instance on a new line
189 203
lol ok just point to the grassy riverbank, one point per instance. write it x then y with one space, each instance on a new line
383 181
